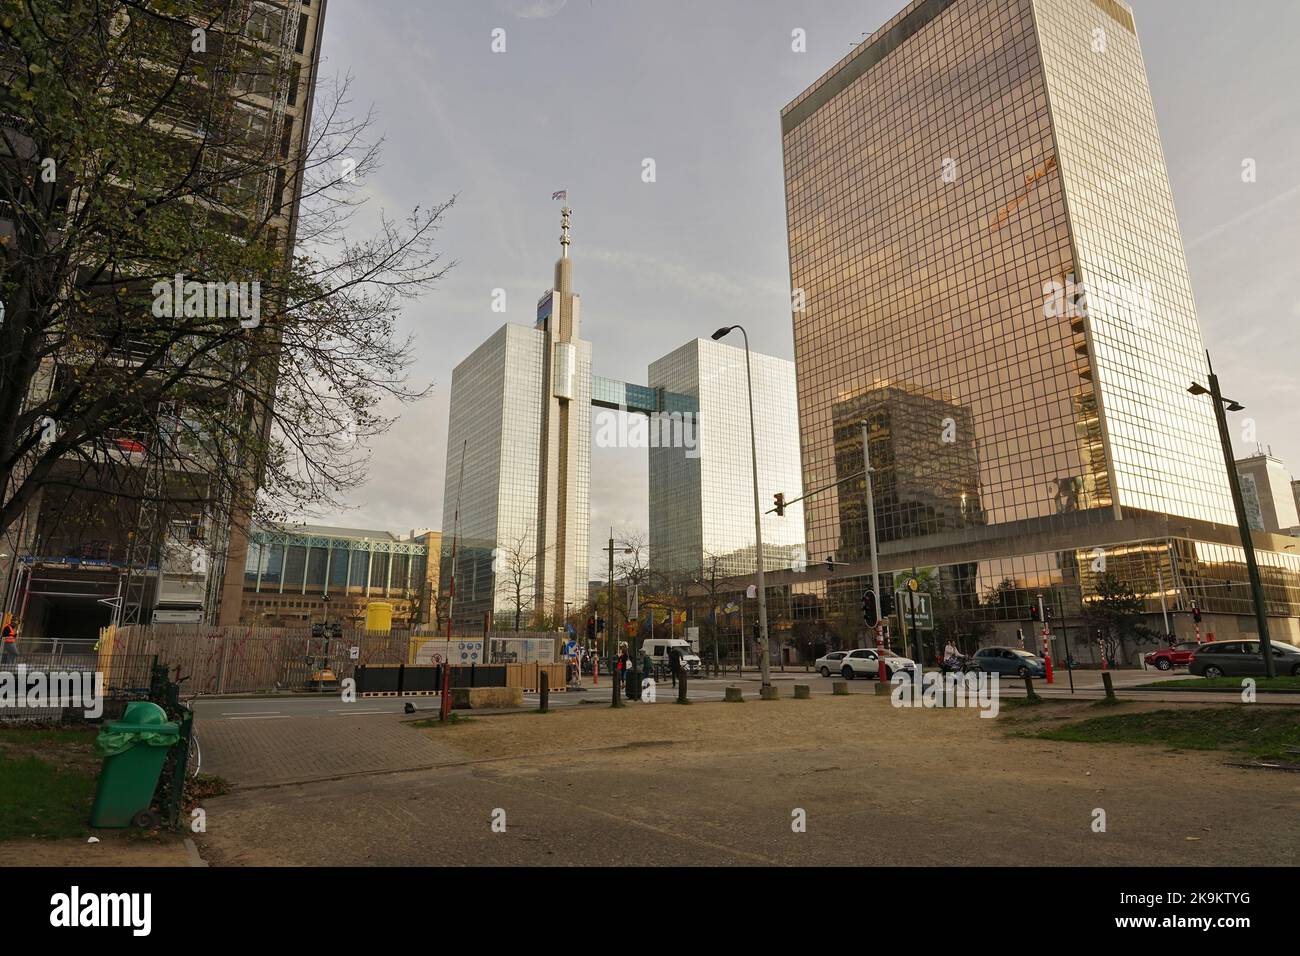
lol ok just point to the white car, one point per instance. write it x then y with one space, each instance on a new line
863 663
830 664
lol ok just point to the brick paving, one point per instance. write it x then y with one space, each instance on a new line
251 753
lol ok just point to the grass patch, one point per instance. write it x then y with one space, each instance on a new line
1230 683
1256 731
47 783
452 718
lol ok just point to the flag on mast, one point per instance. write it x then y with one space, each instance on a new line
562 194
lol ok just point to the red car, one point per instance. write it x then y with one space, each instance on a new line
1167 658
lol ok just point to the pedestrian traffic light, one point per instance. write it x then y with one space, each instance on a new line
886 604
778 500
600 625
1196 614
757 636
869 608
830 563
318 630
1047 609
1034 614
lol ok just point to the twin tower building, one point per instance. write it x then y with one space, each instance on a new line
525 411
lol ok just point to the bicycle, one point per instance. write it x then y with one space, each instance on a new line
194 755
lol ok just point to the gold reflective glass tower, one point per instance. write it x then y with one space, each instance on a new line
987 268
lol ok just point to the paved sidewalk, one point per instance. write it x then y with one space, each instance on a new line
253 753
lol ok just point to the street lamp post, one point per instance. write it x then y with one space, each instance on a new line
1243 526
758 512
611 643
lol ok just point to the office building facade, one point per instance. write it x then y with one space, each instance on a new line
701 488
311 574
988 271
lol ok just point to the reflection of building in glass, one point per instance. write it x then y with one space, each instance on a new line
520 421
924 462
1266 487
978 207
702 499
310 573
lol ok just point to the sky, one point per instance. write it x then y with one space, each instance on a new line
586 90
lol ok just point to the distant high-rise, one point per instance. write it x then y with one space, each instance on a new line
985 250
702 497
520 421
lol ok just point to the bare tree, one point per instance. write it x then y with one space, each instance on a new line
133 197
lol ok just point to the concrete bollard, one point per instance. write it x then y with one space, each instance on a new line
770 692
839 688
802 691
733 695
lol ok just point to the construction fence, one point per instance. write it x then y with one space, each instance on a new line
241 660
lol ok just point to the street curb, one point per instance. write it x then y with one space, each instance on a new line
1215 690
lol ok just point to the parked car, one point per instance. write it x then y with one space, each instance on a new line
1243 658
863 663
830 664
1167 658
1009 660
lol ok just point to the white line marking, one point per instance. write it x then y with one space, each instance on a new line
261 717
248 713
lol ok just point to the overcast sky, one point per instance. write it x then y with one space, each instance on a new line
588 89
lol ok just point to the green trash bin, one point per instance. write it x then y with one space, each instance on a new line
134 750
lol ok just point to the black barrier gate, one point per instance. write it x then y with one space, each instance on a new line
424 678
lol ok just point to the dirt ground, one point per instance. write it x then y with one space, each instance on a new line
723 784
113 849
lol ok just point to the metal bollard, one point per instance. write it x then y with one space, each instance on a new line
544 691
681 689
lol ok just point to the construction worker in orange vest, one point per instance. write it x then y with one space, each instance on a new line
9 634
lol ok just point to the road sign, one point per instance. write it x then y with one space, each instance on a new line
924 609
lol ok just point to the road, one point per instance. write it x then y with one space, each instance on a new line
1087 686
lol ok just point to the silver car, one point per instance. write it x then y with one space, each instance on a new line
830 663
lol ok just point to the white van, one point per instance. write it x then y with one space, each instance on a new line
657 649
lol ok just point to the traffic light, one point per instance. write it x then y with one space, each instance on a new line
869 608
757 637
318 630
830 563
591 628
336 630
600 625
1034 614
1048 610
778 500
886 604
1196 614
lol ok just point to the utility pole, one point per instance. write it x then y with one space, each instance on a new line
1243 526
875 560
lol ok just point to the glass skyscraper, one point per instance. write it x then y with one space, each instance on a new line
520 424
988 270
702 498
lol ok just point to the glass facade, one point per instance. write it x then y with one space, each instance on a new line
702 499
988 272
495 420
